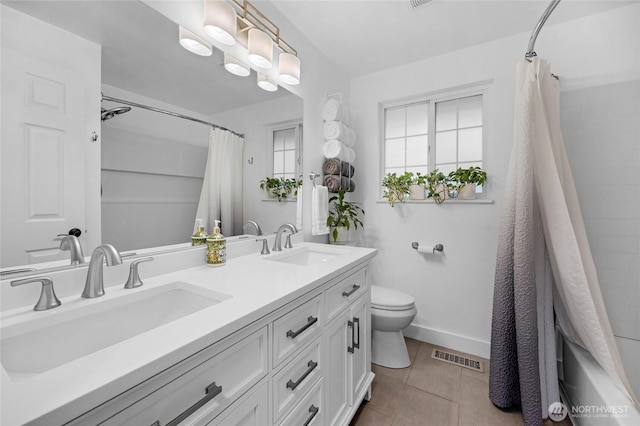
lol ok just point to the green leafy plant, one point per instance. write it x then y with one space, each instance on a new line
437 186
396 187
418 179
280 188
470 175
343 214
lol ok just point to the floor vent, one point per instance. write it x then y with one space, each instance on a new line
455 359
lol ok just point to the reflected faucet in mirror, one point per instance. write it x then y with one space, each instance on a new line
72 243
254 224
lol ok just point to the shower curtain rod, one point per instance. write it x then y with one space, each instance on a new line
164 111
532 41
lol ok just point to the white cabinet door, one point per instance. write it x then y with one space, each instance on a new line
359 359
337 336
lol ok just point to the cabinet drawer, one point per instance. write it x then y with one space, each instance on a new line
204 390
343 293
309 412
295 328
294 380
249 410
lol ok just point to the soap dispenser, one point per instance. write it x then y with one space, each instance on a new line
199 238
216 247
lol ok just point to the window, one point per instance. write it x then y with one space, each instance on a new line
285 144
441 132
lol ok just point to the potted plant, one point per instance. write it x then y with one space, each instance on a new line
417 186
397 187
466 181
342 215
437 186
280 188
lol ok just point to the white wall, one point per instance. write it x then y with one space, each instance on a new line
453 292
601 127
254 122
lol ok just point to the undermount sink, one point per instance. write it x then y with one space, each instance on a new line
34 347
307 256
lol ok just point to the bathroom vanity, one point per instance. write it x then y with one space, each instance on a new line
279 339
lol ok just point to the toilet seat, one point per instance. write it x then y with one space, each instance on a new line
389 299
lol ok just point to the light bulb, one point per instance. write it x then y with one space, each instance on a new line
220 21
193 43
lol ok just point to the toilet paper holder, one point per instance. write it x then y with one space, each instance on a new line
436 247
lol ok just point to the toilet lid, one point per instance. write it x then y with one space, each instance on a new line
390 299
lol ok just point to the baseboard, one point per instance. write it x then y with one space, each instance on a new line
456 342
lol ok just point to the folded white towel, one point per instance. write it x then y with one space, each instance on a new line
332 110
319 210
336 130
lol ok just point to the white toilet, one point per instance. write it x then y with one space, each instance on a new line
391 312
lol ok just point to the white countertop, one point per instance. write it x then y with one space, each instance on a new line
257 287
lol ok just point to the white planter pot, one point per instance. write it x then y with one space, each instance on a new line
343 235
468 192
416 192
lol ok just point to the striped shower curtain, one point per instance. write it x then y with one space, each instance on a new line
542 250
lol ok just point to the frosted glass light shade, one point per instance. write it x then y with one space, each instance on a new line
289 66
260 48
265 83
220 21
193 43
235 66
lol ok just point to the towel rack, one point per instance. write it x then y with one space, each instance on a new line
312 178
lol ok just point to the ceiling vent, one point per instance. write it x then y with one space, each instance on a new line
416 3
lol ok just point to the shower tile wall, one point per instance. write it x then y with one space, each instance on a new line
601 127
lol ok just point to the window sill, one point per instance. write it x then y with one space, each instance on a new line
275 200
449 201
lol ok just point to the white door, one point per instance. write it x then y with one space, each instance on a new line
49 103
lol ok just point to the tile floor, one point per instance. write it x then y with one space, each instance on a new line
432 392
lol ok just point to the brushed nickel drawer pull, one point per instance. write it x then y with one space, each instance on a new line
310 321
210 391
353 342
313 410
353 290
357 321
293 385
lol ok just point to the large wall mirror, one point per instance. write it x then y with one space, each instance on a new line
148 184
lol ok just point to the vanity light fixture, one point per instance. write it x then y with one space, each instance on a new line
260 48
266 83
236 66
193 43
220 21
289 67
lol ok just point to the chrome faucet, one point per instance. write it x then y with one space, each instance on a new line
255 225
277 244
48 298
72 243
94 286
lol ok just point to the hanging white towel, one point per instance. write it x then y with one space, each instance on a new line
332 110
299 209
319 210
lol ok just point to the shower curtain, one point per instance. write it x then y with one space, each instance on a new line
543 250
221 195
